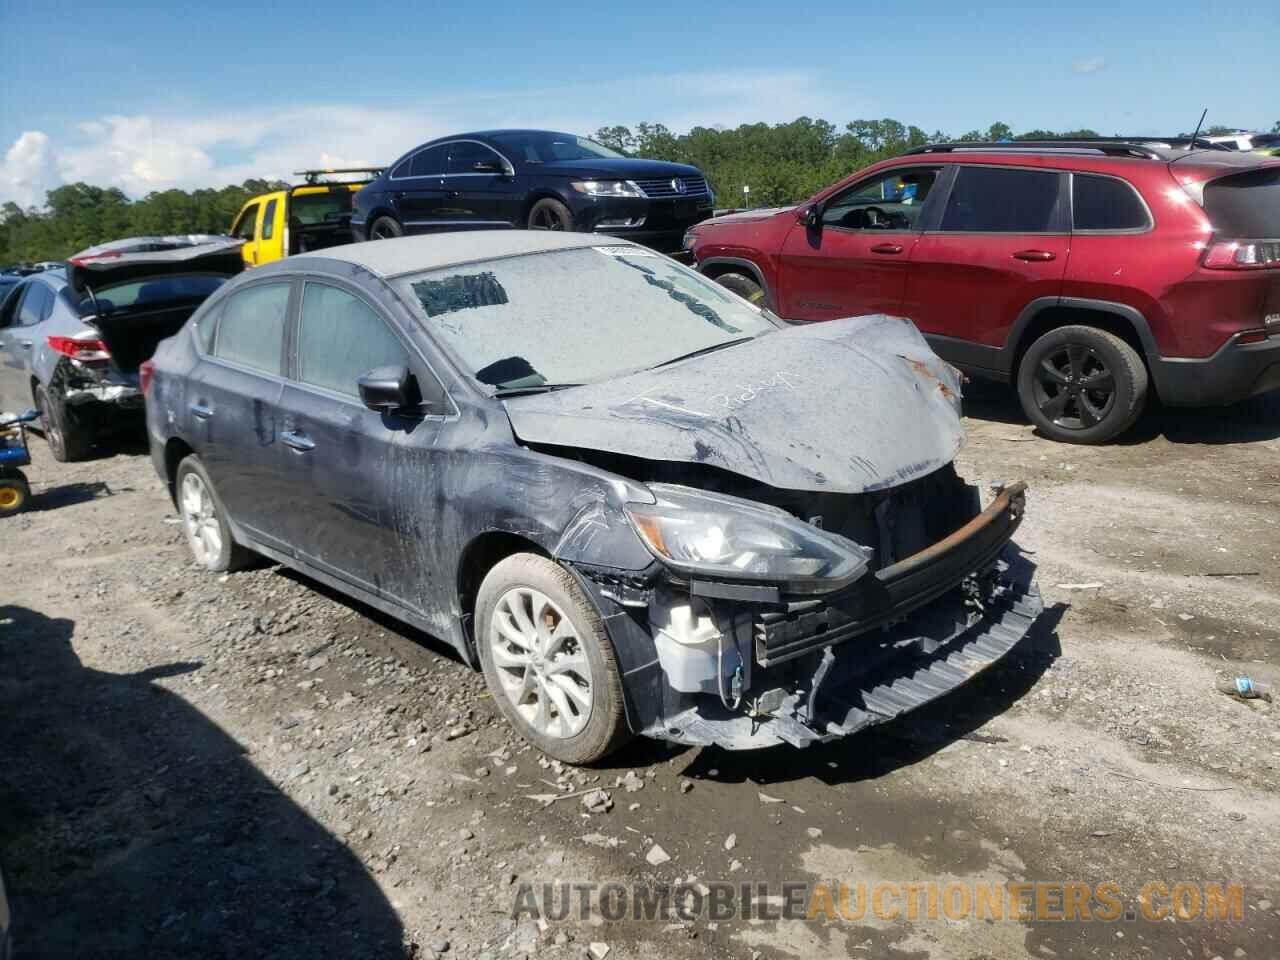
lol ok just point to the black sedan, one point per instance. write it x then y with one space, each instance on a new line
639 503
533 179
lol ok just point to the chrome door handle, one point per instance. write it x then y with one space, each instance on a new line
200 411
298 441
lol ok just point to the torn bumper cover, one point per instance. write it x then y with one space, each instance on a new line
743 675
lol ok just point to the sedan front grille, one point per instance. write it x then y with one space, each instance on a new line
662 188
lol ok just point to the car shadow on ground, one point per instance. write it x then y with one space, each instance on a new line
1252 420
68 494
879 750
133 826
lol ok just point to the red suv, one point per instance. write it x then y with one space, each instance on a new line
1089 274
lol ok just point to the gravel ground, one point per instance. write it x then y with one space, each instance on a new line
253 766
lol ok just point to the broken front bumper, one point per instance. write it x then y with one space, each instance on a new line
817 669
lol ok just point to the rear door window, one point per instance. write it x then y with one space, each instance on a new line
36 305
429 163
1105 203
341 338
251 327
1004 200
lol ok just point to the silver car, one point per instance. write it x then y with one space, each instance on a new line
54 327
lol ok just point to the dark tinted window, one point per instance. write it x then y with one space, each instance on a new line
313 208
989 200
251 326
428 163
151 293
341 338
403 168
269 221
36 305
464 155
1244 205
1104 203
244 226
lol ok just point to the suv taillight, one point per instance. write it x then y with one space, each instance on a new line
146 371
1242 254
82 350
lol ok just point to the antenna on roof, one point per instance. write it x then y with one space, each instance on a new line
1192 144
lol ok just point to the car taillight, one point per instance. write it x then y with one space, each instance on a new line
145 373
78 349
1242 254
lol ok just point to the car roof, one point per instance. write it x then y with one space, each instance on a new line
389 258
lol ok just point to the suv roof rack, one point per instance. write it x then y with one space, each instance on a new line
1151 148
313 176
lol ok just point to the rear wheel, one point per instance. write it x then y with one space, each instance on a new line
547 661
549 214
68 441
385 228
745 287
15 494
204 520
1079 384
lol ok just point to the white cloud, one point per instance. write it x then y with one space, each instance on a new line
143 152
28 170
1089 65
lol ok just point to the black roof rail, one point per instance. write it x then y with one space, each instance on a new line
1152 148
313 176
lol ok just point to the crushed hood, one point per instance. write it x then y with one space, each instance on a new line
845 406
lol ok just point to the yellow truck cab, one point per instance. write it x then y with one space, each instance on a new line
312 216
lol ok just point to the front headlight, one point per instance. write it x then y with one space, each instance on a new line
711 535
690 238
608 188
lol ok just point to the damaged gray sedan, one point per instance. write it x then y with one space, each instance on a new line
638 503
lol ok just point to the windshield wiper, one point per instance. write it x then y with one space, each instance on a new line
705 350
503 392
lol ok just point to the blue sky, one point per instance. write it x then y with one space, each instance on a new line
147 95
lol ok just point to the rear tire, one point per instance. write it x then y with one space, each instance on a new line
385 228
204 520
15 494
547 660
549 214
68 441
1080 384
744 286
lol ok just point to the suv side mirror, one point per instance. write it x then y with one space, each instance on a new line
810 215
489 166
388 389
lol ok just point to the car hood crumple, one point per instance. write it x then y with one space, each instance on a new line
846 406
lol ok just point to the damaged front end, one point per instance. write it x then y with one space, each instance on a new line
741 662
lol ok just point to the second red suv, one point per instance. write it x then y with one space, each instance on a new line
1089 274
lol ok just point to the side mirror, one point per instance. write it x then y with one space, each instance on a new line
389 389
810 215
489 166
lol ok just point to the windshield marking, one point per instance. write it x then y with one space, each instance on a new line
697 307
460 292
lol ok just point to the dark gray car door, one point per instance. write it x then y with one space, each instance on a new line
233 396
478 197
349 466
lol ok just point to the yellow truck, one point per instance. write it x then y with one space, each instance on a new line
312 216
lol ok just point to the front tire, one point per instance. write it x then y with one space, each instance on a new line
547 660
745 287
204 520
15 494
549 214
385 228
1080 384
68 441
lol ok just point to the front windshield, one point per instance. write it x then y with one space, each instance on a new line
535 146
576 316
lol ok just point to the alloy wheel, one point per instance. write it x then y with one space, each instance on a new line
546 218
1074 387
200 519
541 663
383 231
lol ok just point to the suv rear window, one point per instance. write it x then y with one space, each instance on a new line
1105 203
989 200
1245 205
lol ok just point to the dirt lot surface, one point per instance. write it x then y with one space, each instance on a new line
251 766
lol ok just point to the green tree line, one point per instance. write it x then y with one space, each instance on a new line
780 163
